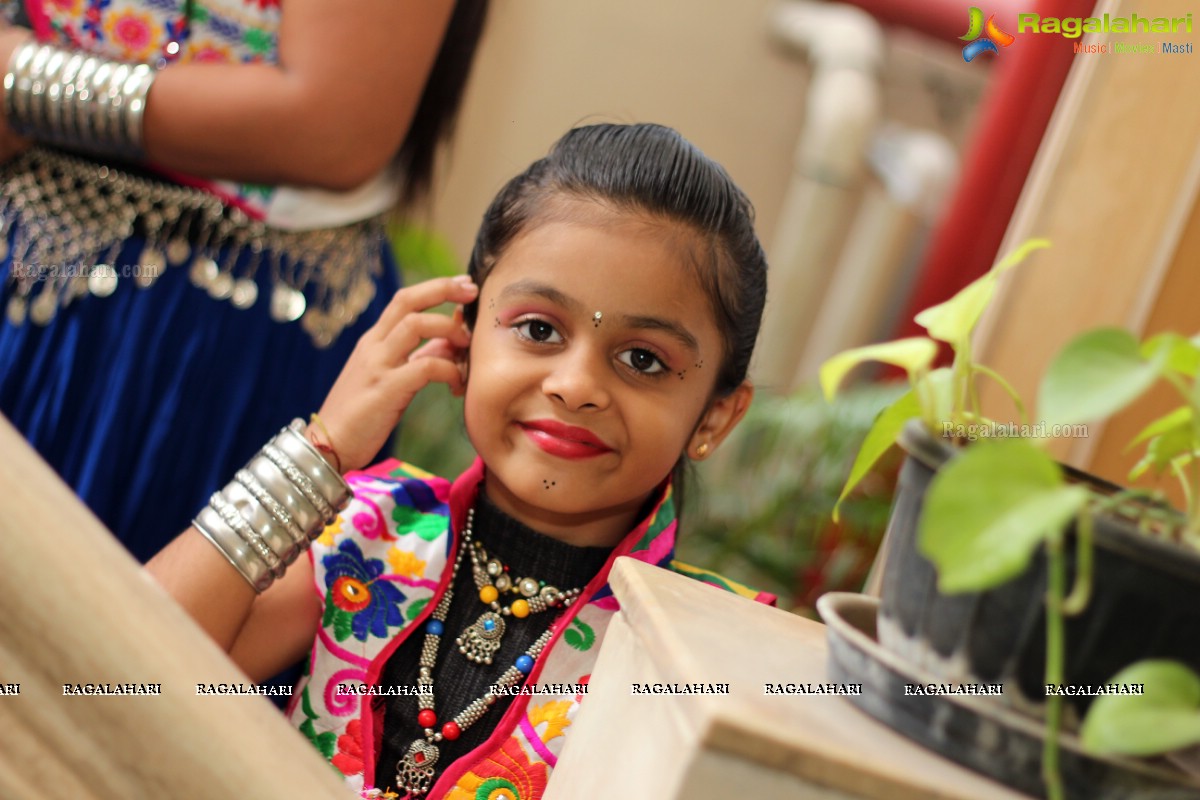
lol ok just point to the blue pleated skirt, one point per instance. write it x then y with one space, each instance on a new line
148 400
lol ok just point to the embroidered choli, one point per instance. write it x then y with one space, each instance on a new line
222 32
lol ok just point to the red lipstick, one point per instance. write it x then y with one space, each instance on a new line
564 441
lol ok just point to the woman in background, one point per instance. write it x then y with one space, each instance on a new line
191 247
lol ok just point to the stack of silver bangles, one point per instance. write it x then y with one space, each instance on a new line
75 100
276 505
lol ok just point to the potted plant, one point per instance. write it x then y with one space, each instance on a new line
1003 567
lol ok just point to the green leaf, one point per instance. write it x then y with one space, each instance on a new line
1163 449
342 623
1165 718
1179 418
953 320
326 743
880 438
415 608
936 390
580 635
410 520
1096 375
330 610
914 354
1020 254
1176 352
989 509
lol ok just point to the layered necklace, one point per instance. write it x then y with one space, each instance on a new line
480 641
415 769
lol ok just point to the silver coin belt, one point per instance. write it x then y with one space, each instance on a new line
65 219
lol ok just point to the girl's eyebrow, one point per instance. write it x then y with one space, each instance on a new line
528 286
675 331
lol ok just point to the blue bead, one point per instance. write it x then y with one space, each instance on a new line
524 664
489 624
434 627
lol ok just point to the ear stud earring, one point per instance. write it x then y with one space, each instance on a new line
702 450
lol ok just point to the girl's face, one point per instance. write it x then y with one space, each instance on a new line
592 366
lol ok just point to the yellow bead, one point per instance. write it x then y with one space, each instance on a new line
520 609
488 594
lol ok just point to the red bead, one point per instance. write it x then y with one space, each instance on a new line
427 719
451 731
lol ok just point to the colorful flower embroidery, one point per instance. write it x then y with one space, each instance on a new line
137 36
554 715
505 775
410 520
67 8
208 52
405 563
331 530
349 758
356 602
324 742
92 19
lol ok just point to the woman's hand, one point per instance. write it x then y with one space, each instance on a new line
389 366
11 145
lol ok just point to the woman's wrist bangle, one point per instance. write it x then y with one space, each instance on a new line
80 102
274 507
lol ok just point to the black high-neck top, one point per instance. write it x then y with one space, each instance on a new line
456 680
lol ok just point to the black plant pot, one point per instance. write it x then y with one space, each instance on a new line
1143 604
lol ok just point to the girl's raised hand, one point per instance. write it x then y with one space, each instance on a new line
389 366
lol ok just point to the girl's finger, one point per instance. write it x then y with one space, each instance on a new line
406 381
400 342
425 295
439 348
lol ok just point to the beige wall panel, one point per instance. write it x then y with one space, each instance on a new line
1114 187
706 68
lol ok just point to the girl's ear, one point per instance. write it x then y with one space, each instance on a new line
722 416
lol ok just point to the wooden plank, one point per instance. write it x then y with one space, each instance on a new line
78 609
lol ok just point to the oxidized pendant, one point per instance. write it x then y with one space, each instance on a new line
245 292
17 309
287 304
480 641
151 264
178 250
203 272
414 772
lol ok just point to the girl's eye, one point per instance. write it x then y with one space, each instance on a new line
642 361
539 331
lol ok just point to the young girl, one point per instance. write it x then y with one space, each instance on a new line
613 300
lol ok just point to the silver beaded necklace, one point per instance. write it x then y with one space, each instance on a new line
480 640
415 769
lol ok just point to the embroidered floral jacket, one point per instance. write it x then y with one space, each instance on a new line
379 569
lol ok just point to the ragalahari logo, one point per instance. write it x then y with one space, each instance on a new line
977 41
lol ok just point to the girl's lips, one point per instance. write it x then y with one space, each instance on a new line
564 441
